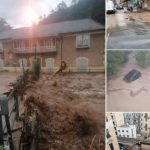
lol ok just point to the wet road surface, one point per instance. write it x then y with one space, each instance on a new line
127 31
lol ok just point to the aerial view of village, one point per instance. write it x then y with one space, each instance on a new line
128 74
52 76
128 24
128 131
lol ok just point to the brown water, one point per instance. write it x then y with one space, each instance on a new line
134 96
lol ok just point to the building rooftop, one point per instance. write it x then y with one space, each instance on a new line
53 29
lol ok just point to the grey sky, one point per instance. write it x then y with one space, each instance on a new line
13 10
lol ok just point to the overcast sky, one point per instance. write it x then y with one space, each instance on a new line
14 10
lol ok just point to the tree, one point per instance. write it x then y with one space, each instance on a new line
4 25
61 6
79 9
115 59
143 59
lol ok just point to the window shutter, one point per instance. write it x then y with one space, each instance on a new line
83 41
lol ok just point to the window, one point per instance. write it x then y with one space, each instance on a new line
82 64
53 41
122 130
47 43
118 130
128 136
126 130
50 64
16 44
83 41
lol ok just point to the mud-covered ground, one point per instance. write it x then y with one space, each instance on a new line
69 110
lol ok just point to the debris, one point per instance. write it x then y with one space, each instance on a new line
66 120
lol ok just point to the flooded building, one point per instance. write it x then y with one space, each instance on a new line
79 43
111 137
133 118
127 131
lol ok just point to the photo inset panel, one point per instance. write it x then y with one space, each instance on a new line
127 131
128 24
128 74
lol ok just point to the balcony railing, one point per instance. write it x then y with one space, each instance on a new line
39 49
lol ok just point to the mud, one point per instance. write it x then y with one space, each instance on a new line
132 97
69 111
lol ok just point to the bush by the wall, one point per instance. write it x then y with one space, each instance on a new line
2 147
115 59
143 58
36 68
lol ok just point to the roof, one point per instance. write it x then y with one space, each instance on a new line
53 29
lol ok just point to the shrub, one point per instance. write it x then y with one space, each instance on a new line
143 59
36 68
115 59
1 147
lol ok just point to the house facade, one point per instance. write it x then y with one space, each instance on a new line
145 124
79 43
127 131
111 137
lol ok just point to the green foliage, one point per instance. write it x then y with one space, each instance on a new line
1 147
4 25
115 59
36 68
143 59
78 10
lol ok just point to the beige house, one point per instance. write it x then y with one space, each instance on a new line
80 43
111 137
118 120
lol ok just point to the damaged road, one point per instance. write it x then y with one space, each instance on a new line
65 113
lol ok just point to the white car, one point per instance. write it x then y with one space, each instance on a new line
110 7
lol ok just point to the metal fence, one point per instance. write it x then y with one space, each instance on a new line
9 110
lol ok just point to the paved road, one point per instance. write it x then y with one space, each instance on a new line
125 32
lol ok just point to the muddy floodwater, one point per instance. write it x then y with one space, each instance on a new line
128 31
132 97
5 79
